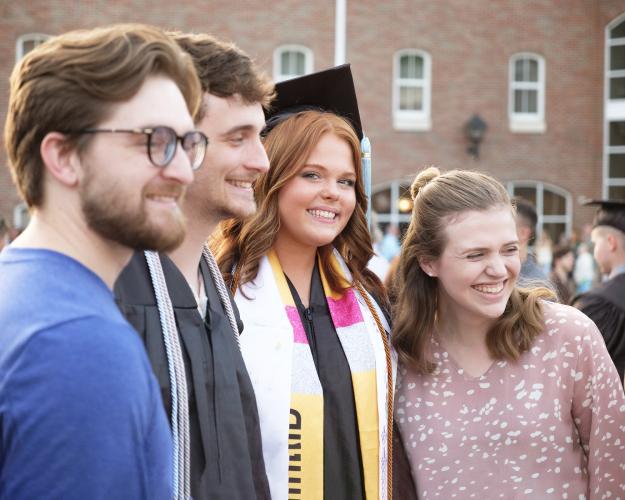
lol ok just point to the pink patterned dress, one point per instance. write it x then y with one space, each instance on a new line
551 425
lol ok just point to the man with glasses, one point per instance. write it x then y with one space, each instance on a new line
205 385
101 146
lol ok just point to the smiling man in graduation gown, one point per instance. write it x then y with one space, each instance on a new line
179 304
605 304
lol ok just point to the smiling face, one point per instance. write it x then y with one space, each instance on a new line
316 204
235 157
123 196
479 265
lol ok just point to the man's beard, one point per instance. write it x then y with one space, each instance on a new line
110 213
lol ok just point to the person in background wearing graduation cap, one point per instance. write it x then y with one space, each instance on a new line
179 303
605 304
316 338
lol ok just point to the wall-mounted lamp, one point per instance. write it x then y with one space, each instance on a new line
475 129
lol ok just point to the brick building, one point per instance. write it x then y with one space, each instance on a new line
546 77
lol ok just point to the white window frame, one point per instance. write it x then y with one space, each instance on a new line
541 187
412 120
278 76
527 122
37 38
613 109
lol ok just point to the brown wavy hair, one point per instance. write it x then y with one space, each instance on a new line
71 82
225 70
437 197
288 145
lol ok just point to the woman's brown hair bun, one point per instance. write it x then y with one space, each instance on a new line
421 180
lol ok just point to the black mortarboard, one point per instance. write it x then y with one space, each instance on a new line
329 90
610 213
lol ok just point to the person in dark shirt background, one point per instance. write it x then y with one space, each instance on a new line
526 219
560 277
605 304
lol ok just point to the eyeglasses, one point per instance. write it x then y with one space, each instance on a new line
162 143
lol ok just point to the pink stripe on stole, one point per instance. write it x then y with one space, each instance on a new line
299 335
345 311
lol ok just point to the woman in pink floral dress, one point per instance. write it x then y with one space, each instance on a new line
501 393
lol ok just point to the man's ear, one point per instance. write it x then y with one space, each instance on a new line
612 242
428 267
60 160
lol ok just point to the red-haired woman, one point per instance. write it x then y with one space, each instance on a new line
315 337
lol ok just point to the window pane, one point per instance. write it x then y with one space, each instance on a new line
29 45
411 67
555 230
617 133
617 57
617 88
292 63
532 101
527 193
533 70
526 70
284 63
299 63
526 101
411 98
381 201
616 192
518 101
518 70
616 165
553 203
618 31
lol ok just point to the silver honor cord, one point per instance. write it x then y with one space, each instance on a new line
177 380
222 290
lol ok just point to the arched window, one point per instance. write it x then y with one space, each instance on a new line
393 204
553 206
526 103
290 61
412 82
614 125
28 42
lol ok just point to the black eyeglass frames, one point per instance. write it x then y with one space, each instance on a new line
162 143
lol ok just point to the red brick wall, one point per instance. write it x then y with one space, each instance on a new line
470 44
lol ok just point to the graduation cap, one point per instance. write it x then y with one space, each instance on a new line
610 213
329 90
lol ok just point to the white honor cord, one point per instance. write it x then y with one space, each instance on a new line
224 296
177 380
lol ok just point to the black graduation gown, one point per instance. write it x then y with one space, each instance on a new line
605 305
342 461
226 451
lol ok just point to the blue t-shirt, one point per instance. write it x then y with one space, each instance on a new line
80 411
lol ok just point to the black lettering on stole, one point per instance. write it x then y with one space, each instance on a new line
295 455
